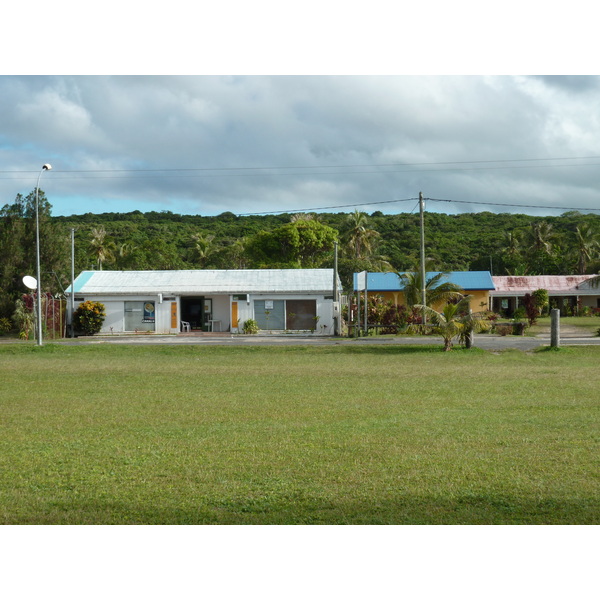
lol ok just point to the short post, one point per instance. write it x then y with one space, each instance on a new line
555 328
469 337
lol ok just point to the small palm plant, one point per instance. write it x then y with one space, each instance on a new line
456 321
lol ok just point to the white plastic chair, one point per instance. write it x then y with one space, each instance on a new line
185 326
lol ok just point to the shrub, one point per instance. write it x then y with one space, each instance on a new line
541 300
520 313
23 316
89 317
531 309
504 328
250 327
5 326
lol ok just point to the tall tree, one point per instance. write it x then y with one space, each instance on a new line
587 245
302 244
202 247
103 247
541 240
359 238
18 249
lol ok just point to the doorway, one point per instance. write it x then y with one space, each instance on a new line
192 311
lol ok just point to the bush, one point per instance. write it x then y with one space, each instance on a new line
541 300
504 328
5 326
250 326
531 309
89 317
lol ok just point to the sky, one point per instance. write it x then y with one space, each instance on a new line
256 144
332 108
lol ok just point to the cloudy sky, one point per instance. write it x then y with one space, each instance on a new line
253 144
265 127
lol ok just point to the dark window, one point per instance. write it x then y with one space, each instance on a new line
301 314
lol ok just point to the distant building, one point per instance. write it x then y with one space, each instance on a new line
212 300
477 284
566 292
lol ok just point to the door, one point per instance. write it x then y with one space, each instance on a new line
234 314
192 311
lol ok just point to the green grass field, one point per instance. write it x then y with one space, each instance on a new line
322 435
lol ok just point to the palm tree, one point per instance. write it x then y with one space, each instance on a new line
513 244
202 248
455 321
359 238
587 246
102 246
541 240
303 217
541 236
435 292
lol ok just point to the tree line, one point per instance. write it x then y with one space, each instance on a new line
513 244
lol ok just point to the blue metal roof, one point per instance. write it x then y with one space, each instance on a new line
467 280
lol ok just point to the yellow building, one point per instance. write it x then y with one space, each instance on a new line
476 284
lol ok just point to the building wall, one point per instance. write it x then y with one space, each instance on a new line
478 296
115 313
115 321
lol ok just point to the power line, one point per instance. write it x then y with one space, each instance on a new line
378 202
314 169
511 205
308 210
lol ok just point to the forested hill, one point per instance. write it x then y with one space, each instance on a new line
503 243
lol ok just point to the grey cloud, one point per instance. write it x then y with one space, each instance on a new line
153 123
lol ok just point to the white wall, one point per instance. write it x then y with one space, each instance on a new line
115 311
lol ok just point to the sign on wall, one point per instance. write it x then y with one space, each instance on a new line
149 313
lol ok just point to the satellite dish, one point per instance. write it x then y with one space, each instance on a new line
30 282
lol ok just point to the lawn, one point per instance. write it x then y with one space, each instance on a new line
108 434
586 325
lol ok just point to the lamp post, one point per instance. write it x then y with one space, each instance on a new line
46 167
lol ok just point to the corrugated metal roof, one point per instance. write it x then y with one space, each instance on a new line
205 281
467 280
555 284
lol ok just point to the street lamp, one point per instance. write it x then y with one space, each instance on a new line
46 167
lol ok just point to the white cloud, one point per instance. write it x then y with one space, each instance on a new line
236 124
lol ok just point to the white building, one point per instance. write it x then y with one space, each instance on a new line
212 300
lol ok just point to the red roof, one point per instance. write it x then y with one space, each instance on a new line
552 283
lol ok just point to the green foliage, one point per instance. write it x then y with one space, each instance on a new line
18 249
89 317
5 326
454 321
436 290
250 327
541 300
301 244
23 318
531 309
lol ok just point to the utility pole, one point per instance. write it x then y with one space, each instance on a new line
72 299
423 286
336 295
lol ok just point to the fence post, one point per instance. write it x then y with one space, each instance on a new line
469 337
555 328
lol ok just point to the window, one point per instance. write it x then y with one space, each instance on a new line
301 314
139 315
270 314
286 314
